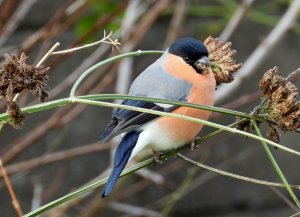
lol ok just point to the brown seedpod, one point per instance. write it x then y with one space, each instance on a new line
273 134
222 59
280 98
16 75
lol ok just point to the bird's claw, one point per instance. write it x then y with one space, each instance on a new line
194 145
156 157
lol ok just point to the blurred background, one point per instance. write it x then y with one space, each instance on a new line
56 151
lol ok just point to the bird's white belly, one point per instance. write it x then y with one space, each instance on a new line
157 139
153 137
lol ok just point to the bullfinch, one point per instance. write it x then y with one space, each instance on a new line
177 75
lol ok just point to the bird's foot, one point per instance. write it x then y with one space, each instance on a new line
194 145
156 157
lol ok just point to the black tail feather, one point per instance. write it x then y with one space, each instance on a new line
121 158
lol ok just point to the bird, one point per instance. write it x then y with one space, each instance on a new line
177 75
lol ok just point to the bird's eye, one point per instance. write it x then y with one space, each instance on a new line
186 59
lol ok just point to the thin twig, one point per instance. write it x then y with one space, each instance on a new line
284 198
176 22
235 19
125 68
179 193
54 157
12 194
235 176
101 23
71 9
47 55
106 40
15 20
295 75
147 21
7 8
52 28
206 176
87 62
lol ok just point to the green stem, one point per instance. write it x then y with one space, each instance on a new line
125 172
107 61
66 101
276 166
196 120
86 189
85 100
172 102
39 107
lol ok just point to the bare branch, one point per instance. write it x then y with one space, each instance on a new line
261 52
15 20
54 157
12 194
48 54
285 199
235 19
235 176
176 22
106 40
295 75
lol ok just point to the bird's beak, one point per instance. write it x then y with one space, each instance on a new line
202 63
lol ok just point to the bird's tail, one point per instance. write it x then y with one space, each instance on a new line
121 158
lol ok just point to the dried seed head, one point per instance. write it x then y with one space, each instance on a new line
15 114
281 103
222 60
17 76
273 134
245 126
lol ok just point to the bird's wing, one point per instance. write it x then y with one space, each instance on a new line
153 82
126 120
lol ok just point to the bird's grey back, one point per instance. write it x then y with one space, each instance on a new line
156 83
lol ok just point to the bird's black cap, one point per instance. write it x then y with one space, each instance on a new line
190 49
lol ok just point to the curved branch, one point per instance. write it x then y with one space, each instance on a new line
235 176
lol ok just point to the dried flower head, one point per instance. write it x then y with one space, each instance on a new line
280 100
17 76
244 125
16 115
222 60
273 133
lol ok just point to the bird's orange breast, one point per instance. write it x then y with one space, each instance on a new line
202 92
